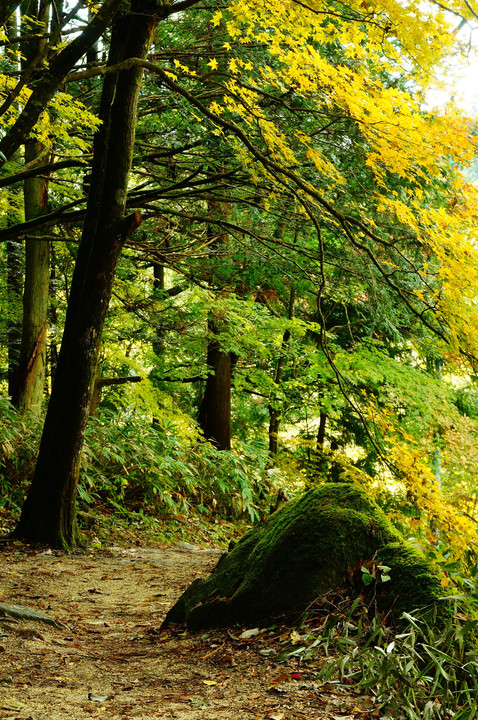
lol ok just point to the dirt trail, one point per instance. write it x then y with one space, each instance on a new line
111 662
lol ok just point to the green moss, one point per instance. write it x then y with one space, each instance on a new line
300 553
415 582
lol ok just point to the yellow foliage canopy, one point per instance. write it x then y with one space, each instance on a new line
357 63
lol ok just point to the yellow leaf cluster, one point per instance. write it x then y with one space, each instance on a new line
442 518
339 60
65 120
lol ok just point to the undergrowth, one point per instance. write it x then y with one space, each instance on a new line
135 473
134 466
422 668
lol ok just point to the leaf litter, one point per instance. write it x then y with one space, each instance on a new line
102 655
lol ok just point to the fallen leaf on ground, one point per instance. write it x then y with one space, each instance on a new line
247 634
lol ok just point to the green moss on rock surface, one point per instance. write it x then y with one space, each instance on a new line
301 552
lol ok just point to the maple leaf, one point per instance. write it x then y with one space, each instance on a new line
215 108
213 64
216 18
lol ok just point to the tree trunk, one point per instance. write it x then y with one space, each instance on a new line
275 412
31 367
215 410
320 441
158 289
49 512
214 415
14 300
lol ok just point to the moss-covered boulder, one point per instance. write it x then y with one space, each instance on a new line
302 552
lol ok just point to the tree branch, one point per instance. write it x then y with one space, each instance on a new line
54 76
40 170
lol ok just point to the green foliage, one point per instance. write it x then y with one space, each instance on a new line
19 438
420 670
133 466
140 469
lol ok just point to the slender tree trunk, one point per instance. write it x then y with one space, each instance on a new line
32 364
158 288
215 410
276 412
214 415
49 512
320 441
14 298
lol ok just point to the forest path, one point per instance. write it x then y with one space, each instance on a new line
113 663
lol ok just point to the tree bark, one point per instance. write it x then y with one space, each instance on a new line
158 288
321 441
275 412
32 363
214 415
14 299
49 512
215 410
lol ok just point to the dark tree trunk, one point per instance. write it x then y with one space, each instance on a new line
49 512
275 416
15 257
214 415
215 410
320 441
275 411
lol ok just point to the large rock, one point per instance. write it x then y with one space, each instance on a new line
302 552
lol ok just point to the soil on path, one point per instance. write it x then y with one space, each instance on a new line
112 662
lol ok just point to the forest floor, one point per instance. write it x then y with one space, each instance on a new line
111 661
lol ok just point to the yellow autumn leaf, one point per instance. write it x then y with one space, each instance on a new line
212 64
215 108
